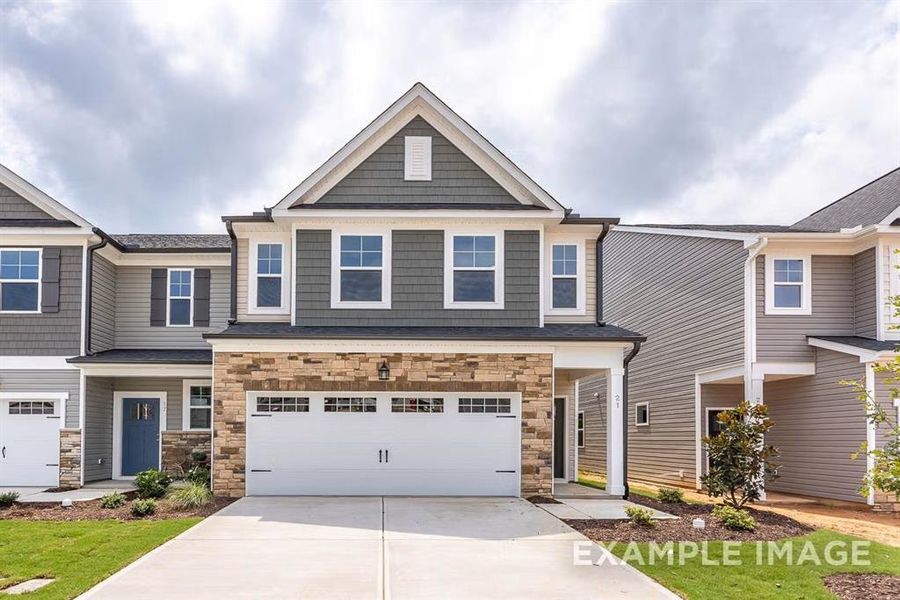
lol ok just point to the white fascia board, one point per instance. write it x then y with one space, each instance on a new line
40 199
145 370
800 369
735 371
18 236
343 215
864 355
34 363
165 259
471 220
703 233
892 216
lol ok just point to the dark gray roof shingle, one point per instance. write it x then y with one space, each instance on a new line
858 342
165 356
739 228
172 241
868 205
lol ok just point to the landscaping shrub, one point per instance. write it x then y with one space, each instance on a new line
670 495
734 518
199 475
143 507
8 499
198 457
152 483
639 515
112 500
193 495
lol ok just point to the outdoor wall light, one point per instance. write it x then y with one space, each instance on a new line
384 371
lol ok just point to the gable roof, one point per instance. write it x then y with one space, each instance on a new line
40 199
869 205
419 101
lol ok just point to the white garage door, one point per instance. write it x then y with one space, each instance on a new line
422 444
29 442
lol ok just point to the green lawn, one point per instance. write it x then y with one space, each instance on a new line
78 554
699 582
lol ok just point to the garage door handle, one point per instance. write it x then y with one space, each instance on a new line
386 457
379 456
4 451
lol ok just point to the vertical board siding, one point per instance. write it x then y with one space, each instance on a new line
103 304
455 178
49 381
49 334
98 428
418 283
590 274
819 423
783 337
865 303
686 295
133 329
593 456
14 206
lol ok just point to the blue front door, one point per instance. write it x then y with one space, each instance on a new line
140 435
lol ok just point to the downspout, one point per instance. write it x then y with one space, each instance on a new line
636 347
750 312
232 317
89 285
599 282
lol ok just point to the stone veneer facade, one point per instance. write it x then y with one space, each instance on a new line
178 445
236 373
69 458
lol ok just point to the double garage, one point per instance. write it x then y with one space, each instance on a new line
385 443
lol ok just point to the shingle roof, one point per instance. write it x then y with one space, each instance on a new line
868 205
414 206
36 223
550 332
150 242
738 228
858 342
170 356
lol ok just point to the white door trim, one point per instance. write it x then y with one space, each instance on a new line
706 412
566 424
117 427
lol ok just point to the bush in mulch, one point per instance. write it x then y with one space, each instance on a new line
863 586
770 526
92 511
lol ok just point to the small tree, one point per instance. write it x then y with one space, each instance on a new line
739 459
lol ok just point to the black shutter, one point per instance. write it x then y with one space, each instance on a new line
201 297
50 280
159 280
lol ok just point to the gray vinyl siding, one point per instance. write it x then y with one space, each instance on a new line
103 304
686 295
133 329
865 303
454 177
14 206
883 388
50 381
98 428
819 423
49 334
783 337
593 456
716 396
418 284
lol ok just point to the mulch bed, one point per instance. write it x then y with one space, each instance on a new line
91 511
543 500
770 526
863 586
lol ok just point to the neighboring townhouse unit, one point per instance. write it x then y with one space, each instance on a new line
412 319
777 314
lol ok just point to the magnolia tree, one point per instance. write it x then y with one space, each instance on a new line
739 459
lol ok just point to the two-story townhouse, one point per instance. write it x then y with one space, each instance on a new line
780 315
411 319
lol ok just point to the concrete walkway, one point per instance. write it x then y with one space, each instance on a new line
372 547
90 492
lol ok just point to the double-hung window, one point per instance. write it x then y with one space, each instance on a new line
788 285
565 271
269 282
580 429
474 274
20 277
180 309
197 404
361 270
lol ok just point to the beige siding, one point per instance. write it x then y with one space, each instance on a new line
592 400
243 287
819 423
783 337
590 270
889 322
865 303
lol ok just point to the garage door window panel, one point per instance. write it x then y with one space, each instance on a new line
350 405
417 405
282 404
31 408
485 405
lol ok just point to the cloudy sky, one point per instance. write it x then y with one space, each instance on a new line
161 116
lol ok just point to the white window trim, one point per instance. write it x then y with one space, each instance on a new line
186 386
385 268
169 297
408 173
580 276
639 404
893 282
252 255
805 289
579 416
40 252
499 280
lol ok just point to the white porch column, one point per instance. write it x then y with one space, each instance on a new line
756 397
615 432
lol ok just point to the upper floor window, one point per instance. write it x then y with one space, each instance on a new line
181 298
20 277
565 287
269 289
788 285
473 276
361 271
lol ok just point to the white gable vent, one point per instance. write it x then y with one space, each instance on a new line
417 158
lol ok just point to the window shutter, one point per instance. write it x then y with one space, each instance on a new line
201 297
50 280
159 279
417 158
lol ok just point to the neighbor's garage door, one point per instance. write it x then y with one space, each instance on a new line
29 442
426 444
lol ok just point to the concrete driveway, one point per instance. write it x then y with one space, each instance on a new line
372 547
